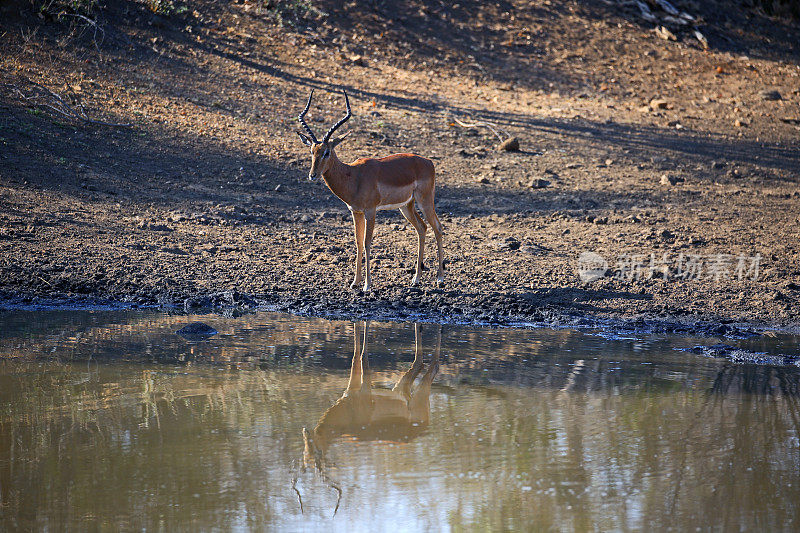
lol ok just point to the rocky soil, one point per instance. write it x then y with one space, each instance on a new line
677 165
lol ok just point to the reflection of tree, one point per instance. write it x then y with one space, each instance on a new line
633 461
81 443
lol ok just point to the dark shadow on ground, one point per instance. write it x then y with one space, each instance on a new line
150 164
645 142
734 27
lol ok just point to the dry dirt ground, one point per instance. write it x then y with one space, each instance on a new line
206 191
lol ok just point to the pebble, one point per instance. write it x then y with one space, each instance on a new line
670 180
538 184
509 145
197 331
770 95
657 103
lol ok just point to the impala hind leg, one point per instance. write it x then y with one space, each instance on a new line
359 227
425 205
403 386
411 215
370 228
419 405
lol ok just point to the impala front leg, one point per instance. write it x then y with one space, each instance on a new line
358 224
370 216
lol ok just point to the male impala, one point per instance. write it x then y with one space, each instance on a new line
370 185
366 413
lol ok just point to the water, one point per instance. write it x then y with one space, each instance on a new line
109 421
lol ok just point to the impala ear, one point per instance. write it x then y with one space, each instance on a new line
305 139
337 140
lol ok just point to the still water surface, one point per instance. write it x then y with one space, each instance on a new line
111 421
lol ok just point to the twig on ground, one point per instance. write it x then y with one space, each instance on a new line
483 123
95 26
509 144
42 97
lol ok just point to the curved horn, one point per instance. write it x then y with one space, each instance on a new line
303 122
342 121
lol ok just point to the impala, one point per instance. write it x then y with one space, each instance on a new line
369 185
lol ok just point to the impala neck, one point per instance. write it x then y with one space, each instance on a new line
338 178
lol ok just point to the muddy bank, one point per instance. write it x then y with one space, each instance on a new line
436 305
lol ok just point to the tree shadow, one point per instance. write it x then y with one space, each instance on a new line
733 27
643 143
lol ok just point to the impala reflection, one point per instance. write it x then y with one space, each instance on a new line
367 413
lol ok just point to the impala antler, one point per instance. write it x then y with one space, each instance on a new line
303 122
342 121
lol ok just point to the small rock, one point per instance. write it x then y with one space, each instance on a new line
484 179
154 227
717 164
656 103
740 123
667 235
665 34
509 145
277 188
196 331
609 162
670 180
358 60
538 184
508 244
770 94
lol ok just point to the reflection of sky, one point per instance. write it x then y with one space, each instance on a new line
512 444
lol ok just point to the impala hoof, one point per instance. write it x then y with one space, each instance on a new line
440 281
414 281
365 288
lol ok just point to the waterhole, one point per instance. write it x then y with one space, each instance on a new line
109 420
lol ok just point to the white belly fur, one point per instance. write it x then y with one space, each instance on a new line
394 206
